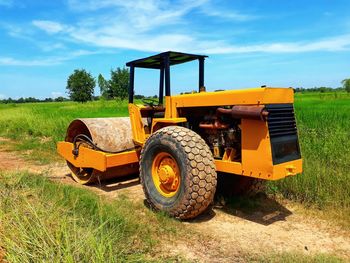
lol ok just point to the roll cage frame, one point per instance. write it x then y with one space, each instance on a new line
163 62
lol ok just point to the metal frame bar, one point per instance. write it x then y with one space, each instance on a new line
131 84
201 74
161 86
167 75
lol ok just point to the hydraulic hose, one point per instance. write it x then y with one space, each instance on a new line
86 139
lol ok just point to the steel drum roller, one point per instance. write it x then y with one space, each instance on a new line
108 134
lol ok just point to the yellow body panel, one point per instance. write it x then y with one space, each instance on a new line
138 131
228 167
256 149
254 96
287 169
89 158
279 171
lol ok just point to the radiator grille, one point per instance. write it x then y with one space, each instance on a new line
283 133
281 120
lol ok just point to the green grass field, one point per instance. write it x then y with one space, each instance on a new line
324 130
42 221
46 221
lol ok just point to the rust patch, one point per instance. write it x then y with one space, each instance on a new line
110 134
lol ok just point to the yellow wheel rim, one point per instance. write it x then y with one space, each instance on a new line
166 174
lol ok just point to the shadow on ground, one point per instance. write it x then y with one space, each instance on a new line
260 209
116 184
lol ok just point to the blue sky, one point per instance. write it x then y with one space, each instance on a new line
249 43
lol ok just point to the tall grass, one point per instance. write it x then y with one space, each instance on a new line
42 221
45 221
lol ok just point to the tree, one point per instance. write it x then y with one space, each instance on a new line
104 86
59 99
346 84
138 97
119 83
80 85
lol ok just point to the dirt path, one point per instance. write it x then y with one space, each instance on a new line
229 232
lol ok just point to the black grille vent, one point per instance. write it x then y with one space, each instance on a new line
283 133
281 120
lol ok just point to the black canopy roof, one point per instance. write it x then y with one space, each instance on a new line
156 61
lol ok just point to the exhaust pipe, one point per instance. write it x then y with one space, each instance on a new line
245 112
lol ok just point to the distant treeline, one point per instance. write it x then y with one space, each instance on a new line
58 99
32 99
320 89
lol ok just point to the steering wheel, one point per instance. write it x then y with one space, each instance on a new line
150 102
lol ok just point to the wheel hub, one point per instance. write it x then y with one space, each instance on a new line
165 174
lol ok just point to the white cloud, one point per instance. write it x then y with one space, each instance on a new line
130 27
215 10
52 61
190 43
147 25
56 94
231 15
13 30
338 43
48 47
154 26
49 27
140 36
142 42
2 96
145 5
93 5
9 61
29 35
139 14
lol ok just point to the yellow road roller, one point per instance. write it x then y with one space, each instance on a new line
179 143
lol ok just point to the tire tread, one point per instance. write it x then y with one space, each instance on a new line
201 172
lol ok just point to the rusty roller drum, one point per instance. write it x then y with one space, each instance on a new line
109 134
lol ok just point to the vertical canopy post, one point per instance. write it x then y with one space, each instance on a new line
161 86
201 86
131 84
167 74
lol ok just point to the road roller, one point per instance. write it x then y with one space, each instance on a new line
178 143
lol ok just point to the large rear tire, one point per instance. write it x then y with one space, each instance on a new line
238 185
177 172
250 186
